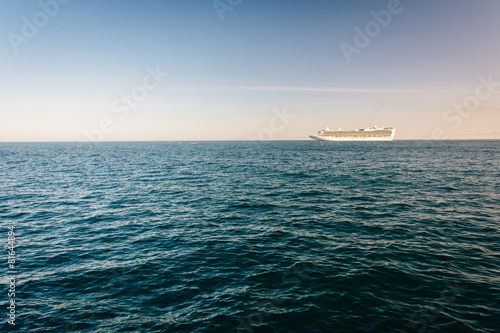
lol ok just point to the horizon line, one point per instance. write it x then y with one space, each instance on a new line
249 141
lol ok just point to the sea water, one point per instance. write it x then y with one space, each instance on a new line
288 236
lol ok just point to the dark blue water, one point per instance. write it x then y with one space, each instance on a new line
235 237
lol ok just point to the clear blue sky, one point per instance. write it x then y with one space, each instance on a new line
228 78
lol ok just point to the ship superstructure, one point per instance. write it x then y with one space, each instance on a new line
371 133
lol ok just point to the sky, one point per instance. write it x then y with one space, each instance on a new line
93 70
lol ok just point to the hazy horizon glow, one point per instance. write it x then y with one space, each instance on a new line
185 70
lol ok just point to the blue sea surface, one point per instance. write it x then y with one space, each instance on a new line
288 236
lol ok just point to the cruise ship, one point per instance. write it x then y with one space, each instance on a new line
372 133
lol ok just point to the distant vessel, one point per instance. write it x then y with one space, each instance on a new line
372 133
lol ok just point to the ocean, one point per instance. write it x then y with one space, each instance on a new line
279 236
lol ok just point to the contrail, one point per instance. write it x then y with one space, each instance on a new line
345 90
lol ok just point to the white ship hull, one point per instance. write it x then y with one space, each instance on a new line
372 133
326 138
